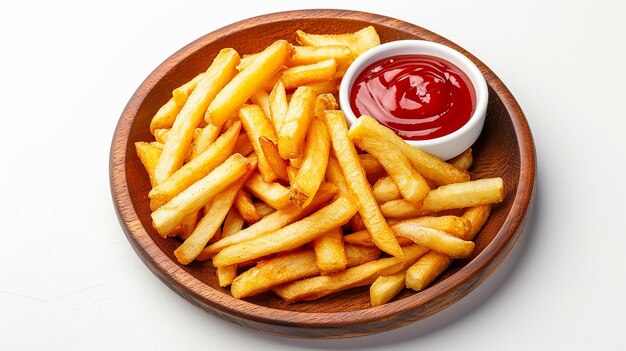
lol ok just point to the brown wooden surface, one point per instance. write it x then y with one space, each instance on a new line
505 149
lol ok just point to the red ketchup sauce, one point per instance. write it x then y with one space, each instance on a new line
418 96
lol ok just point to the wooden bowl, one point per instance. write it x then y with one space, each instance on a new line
505 149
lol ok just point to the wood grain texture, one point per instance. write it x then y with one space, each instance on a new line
505 149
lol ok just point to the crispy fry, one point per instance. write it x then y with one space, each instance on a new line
477 215
318 72
217 75
272 222
374 170
427 165
262 98
289 267
232 224
386 190
196 168
190 200
270 151
330 255
278 105
165 116
385 288
273 194
426 269
356 223
205 138
327 87
244 84
291 236
306 55
149 156
355 178
358 42
264 209
246 60
160 135
324 102
451 196
410 183
464 160
243 145
181 94
257 125
243 204
189 224
293 130
334 174
315 159
434 239
314 288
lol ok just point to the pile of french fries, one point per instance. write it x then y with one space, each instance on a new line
253 167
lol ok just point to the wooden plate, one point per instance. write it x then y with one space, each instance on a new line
505 149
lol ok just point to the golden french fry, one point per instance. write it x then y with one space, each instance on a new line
165 116
246 60
190 200
189 224
317 287
160 135
273 194
358 42
232 224
363 238
257 125
196 168
294 127
426 269
149 156
385 189
464 160
334 174
178 141
410 183
270 151
357 183
204 139
386 287
243 145
278 105
330 255
451 196
181 94
324 102
249 80
434 239
264 209
374 170
318 72
289 267
262 98
327 87
243 204
291 236
306 55
314 161
426 164
292 172
477 215
356 223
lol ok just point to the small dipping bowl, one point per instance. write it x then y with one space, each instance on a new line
444 147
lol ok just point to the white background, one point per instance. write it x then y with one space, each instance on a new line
69 279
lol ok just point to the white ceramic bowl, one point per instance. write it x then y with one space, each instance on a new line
447 146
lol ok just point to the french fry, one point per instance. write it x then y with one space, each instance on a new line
317 287
149 156
278 105
165 116
464 160
385 288
232 224
314 161
189 224
197 168
291 236
451 196
289 267
270 151
434 239
190 200
181 94
426 269
262 98
324 102
306 55
257 125
477 215
357 183
205 138
249 80
292 173
363 238
374 170
327 87
334 174
243 204
175 149
273 194
318 72
243 145
410 183
264 209
160 135
358 42
356 223
429 166
330 255
246 60
272 222
294 127
385 189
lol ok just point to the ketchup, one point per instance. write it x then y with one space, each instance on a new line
417 96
